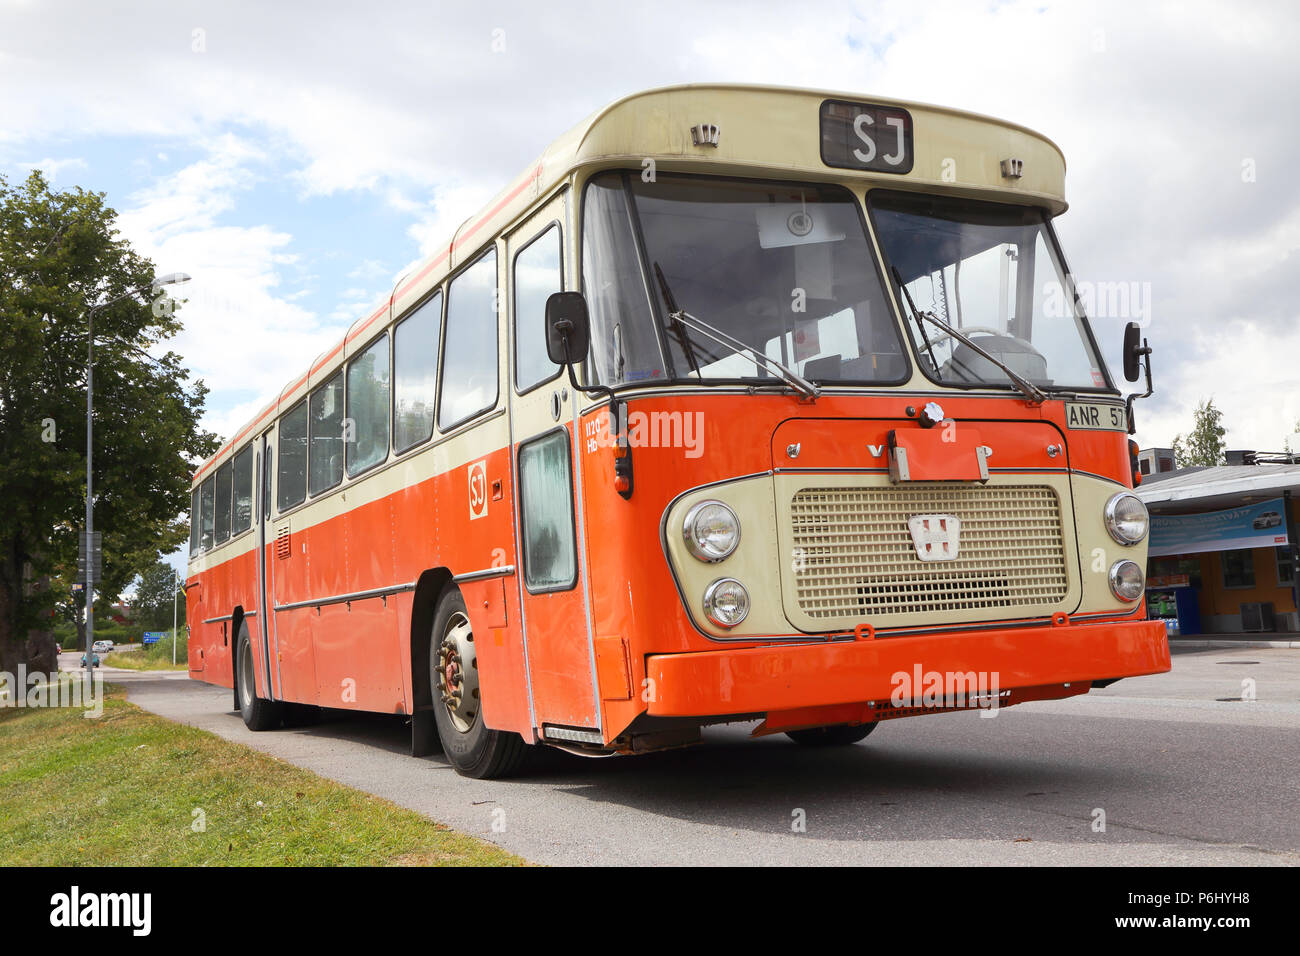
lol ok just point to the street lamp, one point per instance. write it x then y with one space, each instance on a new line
172 278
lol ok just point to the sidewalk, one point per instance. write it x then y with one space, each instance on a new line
1238 639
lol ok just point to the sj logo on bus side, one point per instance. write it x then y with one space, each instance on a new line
478 497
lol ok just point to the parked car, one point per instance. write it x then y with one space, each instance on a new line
94 660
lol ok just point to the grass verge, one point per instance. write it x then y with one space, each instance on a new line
131 788
151 657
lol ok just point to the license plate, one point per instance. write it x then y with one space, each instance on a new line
1096 416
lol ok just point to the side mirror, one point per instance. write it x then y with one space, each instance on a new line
567 322
1132 351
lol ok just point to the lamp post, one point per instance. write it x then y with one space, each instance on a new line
174 278
174 583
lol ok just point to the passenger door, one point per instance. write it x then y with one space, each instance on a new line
550 570
263 629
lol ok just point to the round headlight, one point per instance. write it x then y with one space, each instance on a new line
1126 580
726 602
712 531
1126 518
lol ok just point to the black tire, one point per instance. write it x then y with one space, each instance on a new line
836 735
472 749
258 713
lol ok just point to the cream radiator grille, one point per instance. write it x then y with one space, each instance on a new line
854 558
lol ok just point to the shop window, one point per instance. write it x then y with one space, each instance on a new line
1285 566
1238 568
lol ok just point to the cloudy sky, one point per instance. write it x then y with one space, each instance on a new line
294 158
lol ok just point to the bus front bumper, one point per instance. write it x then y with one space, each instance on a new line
852 681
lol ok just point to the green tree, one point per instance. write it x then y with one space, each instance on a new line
60 252
1205 444
153 598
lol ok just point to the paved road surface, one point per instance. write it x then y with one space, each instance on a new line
1183 778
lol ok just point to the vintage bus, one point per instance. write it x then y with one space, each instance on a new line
740 404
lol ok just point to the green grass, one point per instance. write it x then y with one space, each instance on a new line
123 790
151 657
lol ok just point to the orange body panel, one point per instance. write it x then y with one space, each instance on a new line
766 679
639 627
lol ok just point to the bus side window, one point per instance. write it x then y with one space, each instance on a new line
242 515
469 354
538 271
367 402
325 431
207 498
224 475
292 488
546 510
194 521
415 372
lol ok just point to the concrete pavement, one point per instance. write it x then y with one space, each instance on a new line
1185 771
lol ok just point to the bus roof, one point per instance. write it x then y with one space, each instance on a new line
763 130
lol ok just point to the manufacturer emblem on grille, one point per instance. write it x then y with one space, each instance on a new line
937 537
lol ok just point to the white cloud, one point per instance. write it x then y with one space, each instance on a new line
1155 106
53 167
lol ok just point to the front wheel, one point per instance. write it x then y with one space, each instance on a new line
473 749
258 712
837 735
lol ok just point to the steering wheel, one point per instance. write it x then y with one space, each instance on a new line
965 330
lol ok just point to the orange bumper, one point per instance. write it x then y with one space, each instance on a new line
756 680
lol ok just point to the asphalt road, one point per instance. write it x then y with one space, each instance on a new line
1182 776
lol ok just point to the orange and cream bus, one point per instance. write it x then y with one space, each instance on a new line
740 404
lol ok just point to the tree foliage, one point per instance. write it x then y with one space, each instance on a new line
152 606
1206 442
60 253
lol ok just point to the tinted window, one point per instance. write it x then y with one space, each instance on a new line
538 273
205 509
367 432
241 518
546 506
415 374
1238 568
469 359
292 487
194 520
222 529
325 449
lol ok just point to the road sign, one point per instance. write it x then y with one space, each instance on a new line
153 637
96 556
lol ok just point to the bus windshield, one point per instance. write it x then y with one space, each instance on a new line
785 268
991 271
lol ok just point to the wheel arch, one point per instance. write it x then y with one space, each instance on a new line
237 618
428 589
424 606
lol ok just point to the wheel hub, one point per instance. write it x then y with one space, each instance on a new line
457 671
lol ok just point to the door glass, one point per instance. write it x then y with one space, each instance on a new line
537 274
546 505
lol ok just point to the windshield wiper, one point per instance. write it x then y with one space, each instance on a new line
1031 391
684 320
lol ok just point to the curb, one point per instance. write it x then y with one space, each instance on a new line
1176 642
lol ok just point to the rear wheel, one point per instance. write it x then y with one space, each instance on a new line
258 712
836 735
473 749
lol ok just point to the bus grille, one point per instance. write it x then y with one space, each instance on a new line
854 556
